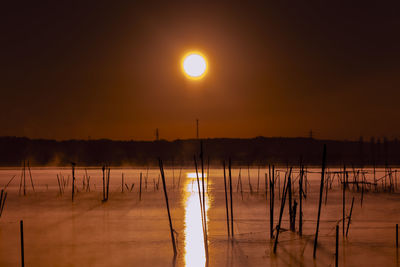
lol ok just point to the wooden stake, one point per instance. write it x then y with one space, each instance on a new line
290 204
230 192
59 184
108 182
258 178
122 183
301 200
226 202
104 183
4 197
73 181
271 200
200 202
337 247
140 188
24 181
284 192
248 177
204 198
320 200
167 204
351 211
344 198
21 229
30 175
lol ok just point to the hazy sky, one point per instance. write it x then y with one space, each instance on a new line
110 69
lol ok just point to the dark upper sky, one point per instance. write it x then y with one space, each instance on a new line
110 69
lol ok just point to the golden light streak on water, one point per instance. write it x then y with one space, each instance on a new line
193 175
195 255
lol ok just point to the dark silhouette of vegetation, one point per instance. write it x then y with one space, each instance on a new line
255 151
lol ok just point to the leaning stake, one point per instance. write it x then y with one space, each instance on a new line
320 200
167 204
349 221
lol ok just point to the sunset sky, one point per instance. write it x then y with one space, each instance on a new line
111 69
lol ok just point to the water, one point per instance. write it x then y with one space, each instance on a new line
126 231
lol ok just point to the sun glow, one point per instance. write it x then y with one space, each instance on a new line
194 65
194 240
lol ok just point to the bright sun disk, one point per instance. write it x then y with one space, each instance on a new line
194 65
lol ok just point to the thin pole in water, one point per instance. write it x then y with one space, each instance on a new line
344 199
108 180
351 211
24 180
30 175
122 183
21 228
320 200
226 202
104 184
204 197
167 204
271 200
230 192
200 200
337 247
140 188
301 200
278 227
73 180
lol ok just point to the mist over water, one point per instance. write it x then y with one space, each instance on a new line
125 231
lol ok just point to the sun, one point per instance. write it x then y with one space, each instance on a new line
194 65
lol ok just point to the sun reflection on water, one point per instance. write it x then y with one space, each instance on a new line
195 255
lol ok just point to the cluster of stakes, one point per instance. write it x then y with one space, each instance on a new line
359 183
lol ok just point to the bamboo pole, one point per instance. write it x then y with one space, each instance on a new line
349 221
344 199
258 178
167 204
59 185
104 183
230 192
248 177
226 202
30 175
301 200
108 181
204 198
284 192
140 188
290 204
73 181
337 247
21 230
24 180
3 203
200 202
271 200
122 183
320 200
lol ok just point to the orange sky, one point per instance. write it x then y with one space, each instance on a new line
106 70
